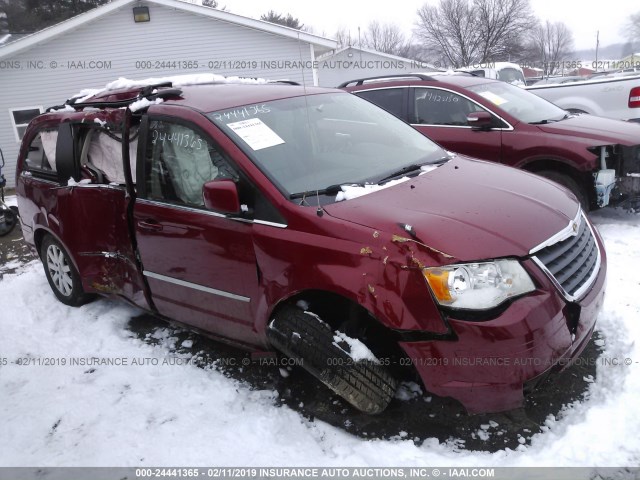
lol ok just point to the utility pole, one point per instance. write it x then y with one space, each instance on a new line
597 45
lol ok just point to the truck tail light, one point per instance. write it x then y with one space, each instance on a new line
634 97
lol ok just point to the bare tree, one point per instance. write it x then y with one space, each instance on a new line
632 27
386 38
465 32
343 37
549 44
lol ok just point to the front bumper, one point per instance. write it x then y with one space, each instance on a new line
486 368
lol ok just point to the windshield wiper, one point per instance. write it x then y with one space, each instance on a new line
330 190
550 120
413 168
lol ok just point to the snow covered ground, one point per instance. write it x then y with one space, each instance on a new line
151 412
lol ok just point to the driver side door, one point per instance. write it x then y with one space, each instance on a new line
200 265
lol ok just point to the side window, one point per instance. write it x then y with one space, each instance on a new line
442 107
179 161
391 99
101 153
20 118
41 157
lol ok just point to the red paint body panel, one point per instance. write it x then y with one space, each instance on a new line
226 274
565 142
464 208
488 366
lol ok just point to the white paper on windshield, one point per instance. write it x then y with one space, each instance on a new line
493 98
256 133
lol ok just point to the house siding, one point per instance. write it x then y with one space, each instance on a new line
114 43
340 67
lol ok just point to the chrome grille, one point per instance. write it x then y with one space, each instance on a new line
572 262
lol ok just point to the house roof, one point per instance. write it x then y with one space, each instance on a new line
69 25
367 50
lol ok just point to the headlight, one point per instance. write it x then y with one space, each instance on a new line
478 286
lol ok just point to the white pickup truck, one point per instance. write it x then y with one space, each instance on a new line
612 97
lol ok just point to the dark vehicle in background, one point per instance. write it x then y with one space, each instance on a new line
8 214
596 158
313 223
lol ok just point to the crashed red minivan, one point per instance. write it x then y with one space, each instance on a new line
312 223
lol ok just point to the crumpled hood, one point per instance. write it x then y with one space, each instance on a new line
469 209
601 130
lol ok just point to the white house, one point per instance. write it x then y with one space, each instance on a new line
141 39
351 63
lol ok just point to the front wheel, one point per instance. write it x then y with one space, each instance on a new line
62 275
365 384
8 220
569 183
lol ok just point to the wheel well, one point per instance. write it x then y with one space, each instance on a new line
582 178
38 237
354 320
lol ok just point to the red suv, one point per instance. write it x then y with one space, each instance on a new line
593 157
311 222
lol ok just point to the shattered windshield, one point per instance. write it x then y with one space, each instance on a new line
309 143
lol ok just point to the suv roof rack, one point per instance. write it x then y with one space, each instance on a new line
285 81
149 92
361 81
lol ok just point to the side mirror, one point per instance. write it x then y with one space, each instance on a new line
480 120
221 196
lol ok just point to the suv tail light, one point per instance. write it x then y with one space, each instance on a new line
634 97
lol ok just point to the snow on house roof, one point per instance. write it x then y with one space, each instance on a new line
7 38
61 28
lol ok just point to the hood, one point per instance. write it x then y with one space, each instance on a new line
602 130
469 209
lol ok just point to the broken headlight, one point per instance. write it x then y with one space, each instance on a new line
478 286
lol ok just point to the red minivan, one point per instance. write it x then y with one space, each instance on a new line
310 222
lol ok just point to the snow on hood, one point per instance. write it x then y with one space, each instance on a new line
354 191
468 208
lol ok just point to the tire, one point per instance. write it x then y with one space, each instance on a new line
8 220
62 275
366 385
569 183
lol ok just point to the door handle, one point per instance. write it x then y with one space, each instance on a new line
150 225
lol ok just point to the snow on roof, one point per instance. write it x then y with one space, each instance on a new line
182 80
175 80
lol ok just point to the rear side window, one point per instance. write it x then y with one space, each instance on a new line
41 157
391 99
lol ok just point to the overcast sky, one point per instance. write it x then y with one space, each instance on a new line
584 17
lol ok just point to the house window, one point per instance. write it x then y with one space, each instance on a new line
20 118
